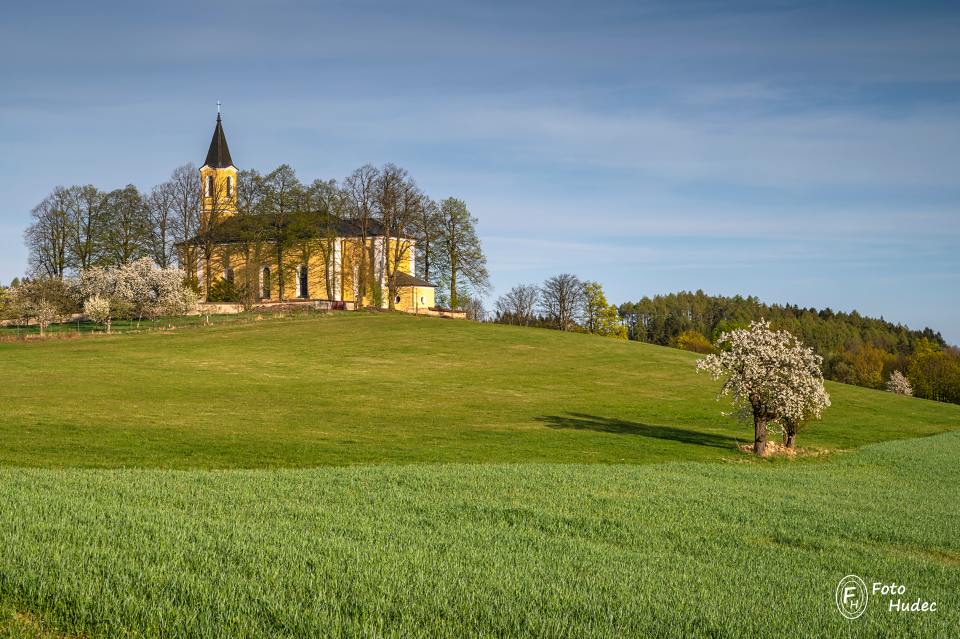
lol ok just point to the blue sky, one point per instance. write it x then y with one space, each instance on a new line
801 152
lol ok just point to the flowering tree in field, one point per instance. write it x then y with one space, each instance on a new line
771 377
97 308
139 289
899 384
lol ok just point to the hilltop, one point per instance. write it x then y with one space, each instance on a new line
347 388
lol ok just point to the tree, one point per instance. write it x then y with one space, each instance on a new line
695 342
461 258
427 231
360 190
126 226
561 299
139 289
770 377
600 317
97 309
399 203
185 187
161 208
86 226
47 236
43 299
474 310
899 384
517 306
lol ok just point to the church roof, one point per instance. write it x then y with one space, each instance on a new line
218 157
296 226
405 279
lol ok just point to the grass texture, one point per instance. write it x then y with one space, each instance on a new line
351 388
667 550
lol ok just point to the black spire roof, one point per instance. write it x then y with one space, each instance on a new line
218 156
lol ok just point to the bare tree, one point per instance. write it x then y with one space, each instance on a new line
461 257
87 220
47 236
399 203
561 298
185 185
360 189
427 231
327 202
161 216
518 305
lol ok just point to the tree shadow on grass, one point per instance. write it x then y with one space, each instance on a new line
581 421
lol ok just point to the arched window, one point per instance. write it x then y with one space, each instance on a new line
265 283
209 187
303 284
229 186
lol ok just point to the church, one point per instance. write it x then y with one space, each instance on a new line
326 261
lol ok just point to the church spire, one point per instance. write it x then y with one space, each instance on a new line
218 157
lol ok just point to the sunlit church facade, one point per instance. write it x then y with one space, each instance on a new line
321 265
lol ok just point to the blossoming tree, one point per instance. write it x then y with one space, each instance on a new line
771 378
899 384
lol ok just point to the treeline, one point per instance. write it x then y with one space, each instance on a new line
563 302
856 350
76 228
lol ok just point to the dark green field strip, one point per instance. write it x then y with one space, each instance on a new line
667 550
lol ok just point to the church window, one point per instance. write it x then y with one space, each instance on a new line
302 282
265 283
209 187
398 299
229 186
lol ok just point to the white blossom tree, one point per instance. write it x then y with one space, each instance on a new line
139 289
97 308
771 378
899 384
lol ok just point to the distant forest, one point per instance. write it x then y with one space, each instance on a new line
856 349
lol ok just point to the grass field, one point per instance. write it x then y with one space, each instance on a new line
382 475
376 388
454 550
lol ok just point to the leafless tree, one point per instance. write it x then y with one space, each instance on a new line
161 215
360 189
518 305
561 298
185 185
427 231
87 220
399 204
48 235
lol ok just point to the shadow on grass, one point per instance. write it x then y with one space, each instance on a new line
581 421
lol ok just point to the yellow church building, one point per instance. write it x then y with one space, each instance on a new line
320 266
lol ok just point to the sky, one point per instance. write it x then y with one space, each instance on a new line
805 153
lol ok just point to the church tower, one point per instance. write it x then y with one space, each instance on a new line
218 180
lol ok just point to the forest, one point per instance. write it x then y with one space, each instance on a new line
858 350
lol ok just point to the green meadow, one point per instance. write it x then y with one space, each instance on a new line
391 476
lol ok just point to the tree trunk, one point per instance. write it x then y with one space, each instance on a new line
454 301
759 435
279 272
790 440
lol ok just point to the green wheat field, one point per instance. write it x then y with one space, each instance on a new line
379 475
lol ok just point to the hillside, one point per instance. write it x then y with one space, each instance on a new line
379 388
